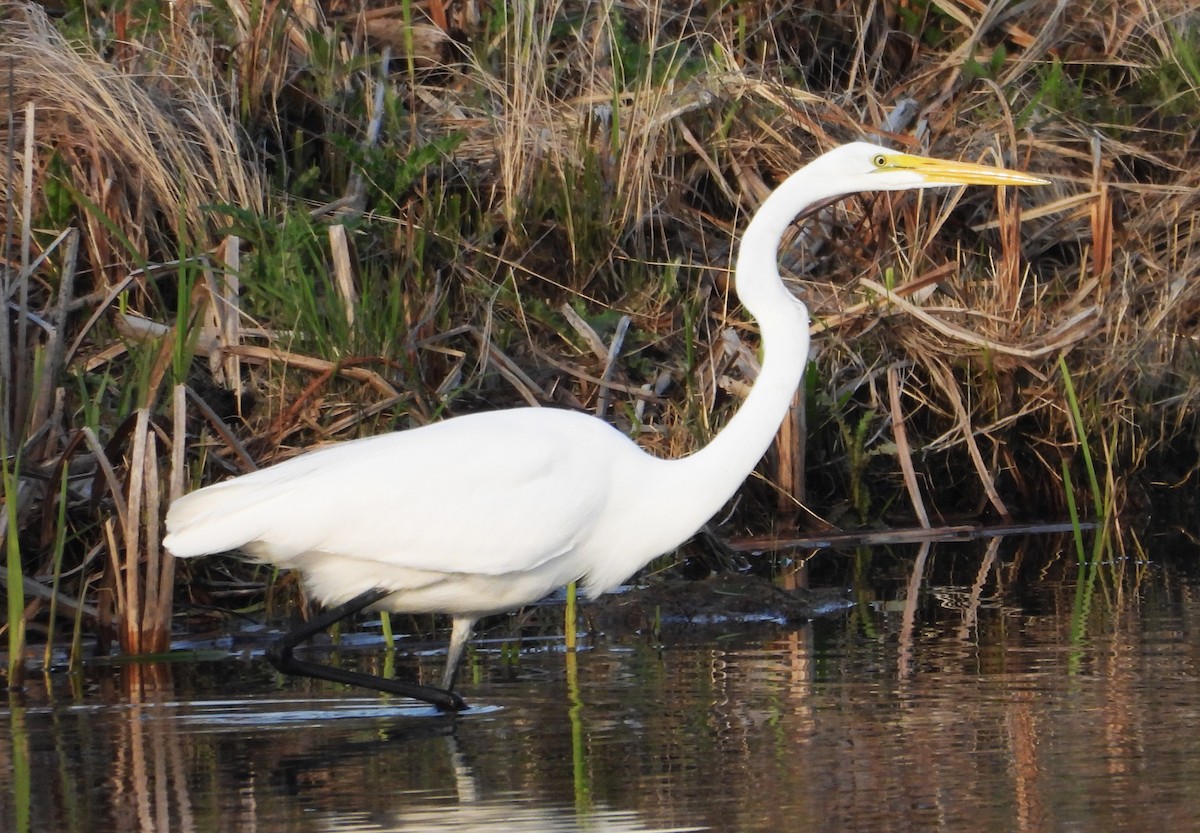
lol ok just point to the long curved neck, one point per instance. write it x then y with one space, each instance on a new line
708 478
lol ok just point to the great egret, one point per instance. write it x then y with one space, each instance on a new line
481 514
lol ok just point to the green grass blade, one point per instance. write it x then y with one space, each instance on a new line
14 576
1081 433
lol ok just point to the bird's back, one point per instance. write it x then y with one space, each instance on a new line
487 494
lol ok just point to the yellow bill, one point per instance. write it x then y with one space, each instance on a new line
945 172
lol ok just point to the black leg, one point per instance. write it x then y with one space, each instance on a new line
280 655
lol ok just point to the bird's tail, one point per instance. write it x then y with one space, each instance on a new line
211 520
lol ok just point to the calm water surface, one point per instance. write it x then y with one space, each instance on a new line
974 709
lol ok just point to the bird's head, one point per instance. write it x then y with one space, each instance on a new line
858 166
867 167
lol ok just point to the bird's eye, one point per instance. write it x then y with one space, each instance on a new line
879 161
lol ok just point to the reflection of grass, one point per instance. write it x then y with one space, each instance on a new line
352 247
1085 579
20 774
579 756
863 615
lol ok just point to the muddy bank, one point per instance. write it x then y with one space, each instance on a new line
720 600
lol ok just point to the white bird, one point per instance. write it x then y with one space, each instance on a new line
481 514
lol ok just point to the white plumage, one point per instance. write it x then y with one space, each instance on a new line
421 512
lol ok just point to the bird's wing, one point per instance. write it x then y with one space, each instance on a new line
491 493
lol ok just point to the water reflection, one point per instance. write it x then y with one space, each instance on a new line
950 702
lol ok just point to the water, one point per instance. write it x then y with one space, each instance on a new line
980 708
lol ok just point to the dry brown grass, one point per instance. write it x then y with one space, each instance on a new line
147 142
